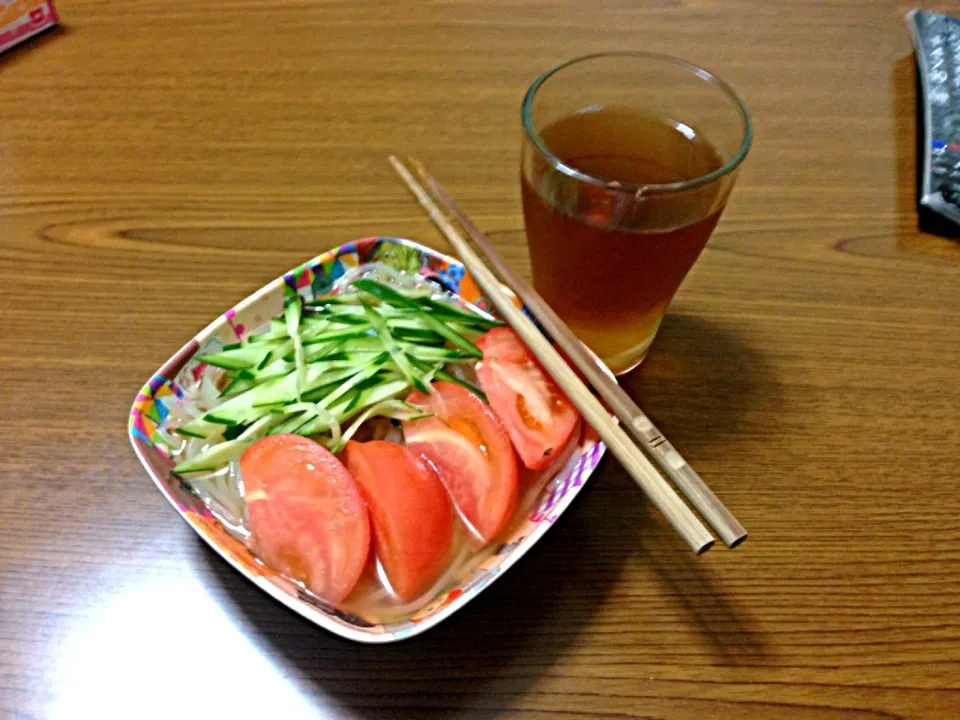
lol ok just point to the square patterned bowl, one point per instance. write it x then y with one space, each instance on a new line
310 279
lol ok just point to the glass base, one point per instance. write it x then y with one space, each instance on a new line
622 363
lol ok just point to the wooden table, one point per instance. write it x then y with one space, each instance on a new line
159 160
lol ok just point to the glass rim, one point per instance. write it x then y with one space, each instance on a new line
638 188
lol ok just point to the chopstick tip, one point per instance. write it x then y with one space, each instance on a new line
416 165
704 547
737 541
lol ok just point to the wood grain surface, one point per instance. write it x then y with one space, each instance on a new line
160 160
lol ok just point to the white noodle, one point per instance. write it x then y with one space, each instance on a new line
381 273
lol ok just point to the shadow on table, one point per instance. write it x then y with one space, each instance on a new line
734 636
700 382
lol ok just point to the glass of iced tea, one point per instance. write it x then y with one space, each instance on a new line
628 161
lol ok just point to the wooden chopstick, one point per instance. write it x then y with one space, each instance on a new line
636 421
634 461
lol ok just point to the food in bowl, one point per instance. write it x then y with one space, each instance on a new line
375 442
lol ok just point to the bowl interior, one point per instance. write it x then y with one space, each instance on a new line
215 525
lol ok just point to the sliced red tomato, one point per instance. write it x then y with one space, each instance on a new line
535 480
470 450
410 512
307 516
537 415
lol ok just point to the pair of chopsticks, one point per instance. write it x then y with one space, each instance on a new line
633 418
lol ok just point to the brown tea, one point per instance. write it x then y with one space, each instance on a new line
607 261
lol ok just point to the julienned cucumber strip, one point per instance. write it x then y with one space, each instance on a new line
343 333
316 411
238 358
413 322
364 374
325 389
291 313
356 396
239 383
276 352
370 396
358 348
291 424
340 370
278 368
213 457
316 376
344 299
433 354
467 317
360 401
406 315
243 407
264 339
396 354
442 374
220 454
388 294
402 306
387 373
196 431
200 427
282 366
420 337
354 357
319 418
277 391
343 318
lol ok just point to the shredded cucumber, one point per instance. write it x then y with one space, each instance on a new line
387 294
220 454
237 358
330 361
291 313
396 354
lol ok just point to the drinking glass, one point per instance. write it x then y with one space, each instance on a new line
627 163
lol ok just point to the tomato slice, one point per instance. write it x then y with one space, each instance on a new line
537 415
410 511
307 517
470 450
